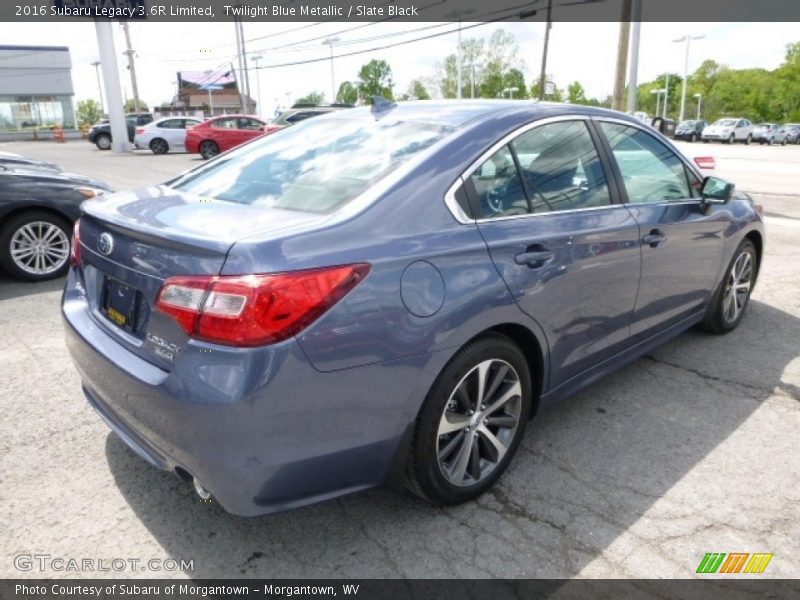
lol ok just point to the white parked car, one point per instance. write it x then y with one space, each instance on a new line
165 135
729 130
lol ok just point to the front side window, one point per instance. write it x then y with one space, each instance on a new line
651 171
250 124
316 166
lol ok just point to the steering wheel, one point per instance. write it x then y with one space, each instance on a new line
494 199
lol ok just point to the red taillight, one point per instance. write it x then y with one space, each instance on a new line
705 162
75 247
255 310
139 130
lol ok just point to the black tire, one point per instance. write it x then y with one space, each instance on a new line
748 139
159 146
103 141
731 139
11 232
771 141
717 318
425 475
208 149
693 138
783 143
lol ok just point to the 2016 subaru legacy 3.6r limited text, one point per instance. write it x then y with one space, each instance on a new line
388 295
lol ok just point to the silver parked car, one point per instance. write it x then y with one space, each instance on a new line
164 135
769 133
792 131
729 130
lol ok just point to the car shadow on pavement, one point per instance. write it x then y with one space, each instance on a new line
13 288
630 451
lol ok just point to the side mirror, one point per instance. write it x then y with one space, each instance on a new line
716 190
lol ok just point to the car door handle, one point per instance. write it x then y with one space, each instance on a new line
535 258
654 238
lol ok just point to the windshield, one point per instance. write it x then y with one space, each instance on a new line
687 124
725 123
315 166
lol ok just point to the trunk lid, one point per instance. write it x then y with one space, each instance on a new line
133 241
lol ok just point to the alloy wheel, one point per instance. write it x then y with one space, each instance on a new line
39 248
479 422
737 287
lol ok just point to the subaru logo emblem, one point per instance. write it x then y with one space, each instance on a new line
105 244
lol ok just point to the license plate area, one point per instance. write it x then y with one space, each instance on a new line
120 303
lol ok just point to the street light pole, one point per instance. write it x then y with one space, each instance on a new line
96 64
330 42
699 103
666 96
658 99
688 39
255 59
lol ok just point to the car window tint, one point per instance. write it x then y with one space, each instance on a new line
651 171
170 124
300 116
186 123
224 123
498 187
250 124
561 167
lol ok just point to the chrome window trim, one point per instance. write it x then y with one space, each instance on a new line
459 214
453 205
568 211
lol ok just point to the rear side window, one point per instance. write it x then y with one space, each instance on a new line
651 171
498 187
551 168
317 166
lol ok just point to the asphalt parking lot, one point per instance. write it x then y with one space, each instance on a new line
694 448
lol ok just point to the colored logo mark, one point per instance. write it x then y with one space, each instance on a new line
734 562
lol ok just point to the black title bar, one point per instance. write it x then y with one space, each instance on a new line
396 10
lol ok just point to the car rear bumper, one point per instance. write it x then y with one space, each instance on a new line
261 429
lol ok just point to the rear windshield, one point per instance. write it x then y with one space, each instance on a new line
314 166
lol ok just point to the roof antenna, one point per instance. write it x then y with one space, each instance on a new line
381 106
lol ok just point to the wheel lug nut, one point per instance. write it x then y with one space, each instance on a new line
472 412
483 407
466 429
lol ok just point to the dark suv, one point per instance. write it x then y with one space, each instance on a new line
100 134
300 112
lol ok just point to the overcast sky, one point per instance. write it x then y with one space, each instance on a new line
579 51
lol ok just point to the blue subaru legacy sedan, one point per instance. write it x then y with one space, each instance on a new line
386 296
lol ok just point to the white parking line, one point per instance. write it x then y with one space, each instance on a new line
782 221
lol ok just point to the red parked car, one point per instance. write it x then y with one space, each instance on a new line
219 134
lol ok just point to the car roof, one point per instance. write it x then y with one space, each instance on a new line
455 113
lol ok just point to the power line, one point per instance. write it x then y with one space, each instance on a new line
395 44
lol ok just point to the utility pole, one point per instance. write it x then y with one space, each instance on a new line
130 52
255 59
633 74
666 95
246 72
458 63
617 101
543 72
330 42
240 78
